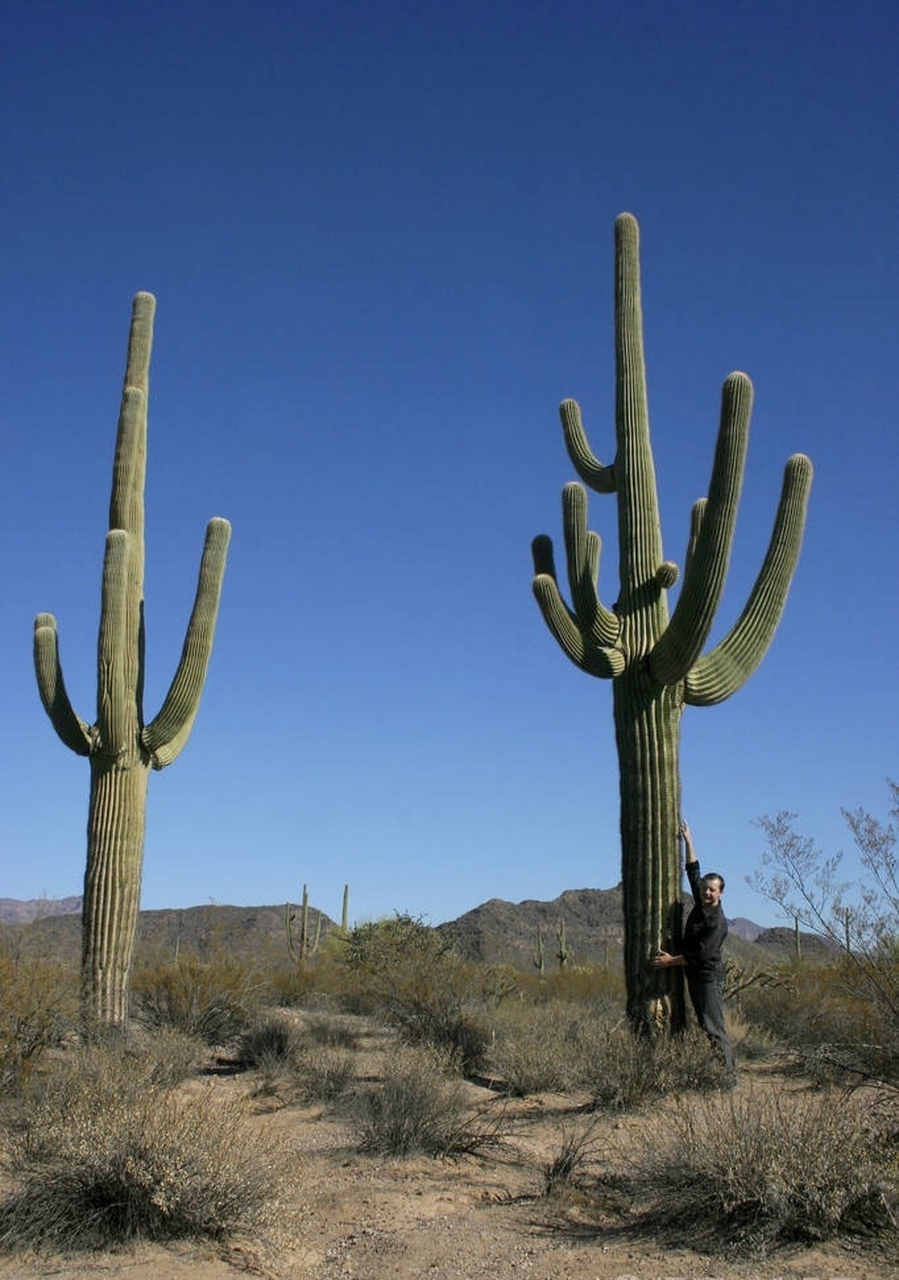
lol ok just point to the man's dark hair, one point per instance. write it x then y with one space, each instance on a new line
713 875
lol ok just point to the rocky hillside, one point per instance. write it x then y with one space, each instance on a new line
496 932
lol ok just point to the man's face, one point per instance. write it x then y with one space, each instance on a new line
710 891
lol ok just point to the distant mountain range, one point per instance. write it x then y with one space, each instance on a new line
497 932
12 911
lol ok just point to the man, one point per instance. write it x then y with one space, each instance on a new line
704 932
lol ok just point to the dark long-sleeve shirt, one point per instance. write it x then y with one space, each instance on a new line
704 931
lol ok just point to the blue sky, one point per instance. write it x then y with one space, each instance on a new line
380 236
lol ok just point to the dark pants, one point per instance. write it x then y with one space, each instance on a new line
707 995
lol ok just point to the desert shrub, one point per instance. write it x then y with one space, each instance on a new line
270 1042
166 1054
758 1171
408 974
543 1047
296 1057
566 1046
104 1156
213 998
601 989
336 1031
417 1109
623 1070
38 1007
836 1031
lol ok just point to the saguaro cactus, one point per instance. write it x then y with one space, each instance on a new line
655 663
120 746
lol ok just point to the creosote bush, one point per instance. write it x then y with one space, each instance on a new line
211 998
297 1057
407 973
418 1109
104 1156
38 1007
757 1171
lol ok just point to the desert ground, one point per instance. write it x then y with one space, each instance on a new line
347 1216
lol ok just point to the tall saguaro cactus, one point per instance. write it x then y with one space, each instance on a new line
120 745
655 663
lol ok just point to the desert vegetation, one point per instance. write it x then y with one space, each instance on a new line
195 1122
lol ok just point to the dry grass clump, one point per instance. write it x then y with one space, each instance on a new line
418 1109
579 1145
756 1172
104 1156
213 998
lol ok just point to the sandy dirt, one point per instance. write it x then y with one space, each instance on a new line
351 1217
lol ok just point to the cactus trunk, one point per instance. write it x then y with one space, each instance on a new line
112 881
647 731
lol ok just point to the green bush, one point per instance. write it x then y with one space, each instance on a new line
104 1156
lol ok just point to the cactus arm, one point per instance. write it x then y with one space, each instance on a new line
709 552
167 733
116 712
720 673
584 652
596 476
697 515
71 729
583 548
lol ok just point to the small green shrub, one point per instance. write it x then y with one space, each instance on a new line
105 1157
418 1110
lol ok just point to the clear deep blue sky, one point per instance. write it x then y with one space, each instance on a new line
380 236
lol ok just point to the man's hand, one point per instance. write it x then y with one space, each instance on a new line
687 837
662 960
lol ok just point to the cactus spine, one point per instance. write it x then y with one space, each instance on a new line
655 663
120 746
